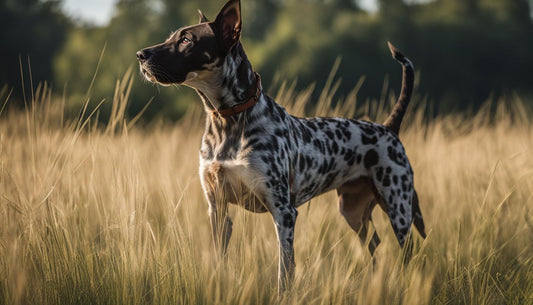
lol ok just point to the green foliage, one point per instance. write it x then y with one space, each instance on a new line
29 29
473 49
109 52
465 51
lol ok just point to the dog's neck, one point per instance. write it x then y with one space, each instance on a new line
225 85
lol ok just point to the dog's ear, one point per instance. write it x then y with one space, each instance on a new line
203 18
228 24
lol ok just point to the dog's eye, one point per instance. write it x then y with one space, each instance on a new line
185 40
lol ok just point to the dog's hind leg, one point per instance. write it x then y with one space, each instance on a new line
395 194
374 241
356 202
417 216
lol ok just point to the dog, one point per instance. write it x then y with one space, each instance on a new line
256 155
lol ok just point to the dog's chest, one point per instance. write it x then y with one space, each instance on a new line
240 180
229 157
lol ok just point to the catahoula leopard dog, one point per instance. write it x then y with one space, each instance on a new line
256 155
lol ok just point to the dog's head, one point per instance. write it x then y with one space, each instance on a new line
192 51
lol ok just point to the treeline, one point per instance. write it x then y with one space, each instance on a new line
465 51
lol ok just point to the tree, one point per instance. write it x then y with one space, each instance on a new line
34 30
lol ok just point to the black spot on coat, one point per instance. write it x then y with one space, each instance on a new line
371 158
368 140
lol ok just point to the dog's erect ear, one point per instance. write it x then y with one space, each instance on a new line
203 18
228 24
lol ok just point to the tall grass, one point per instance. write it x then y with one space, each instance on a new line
115 214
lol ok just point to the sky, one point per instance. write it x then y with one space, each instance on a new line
99 12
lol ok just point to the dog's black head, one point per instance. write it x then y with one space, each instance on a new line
192 51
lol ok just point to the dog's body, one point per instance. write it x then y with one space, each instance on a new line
258 156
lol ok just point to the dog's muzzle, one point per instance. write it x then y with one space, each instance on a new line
143 56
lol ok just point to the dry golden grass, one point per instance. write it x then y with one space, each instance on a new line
116 215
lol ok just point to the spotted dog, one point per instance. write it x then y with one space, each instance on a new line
256 155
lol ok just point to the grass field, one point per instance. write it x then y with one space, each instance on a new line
115 214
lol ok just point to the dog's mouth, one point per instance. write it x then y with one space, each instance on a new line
156 76
148 76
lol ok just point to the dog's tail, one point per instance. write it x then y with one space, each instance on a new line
394 120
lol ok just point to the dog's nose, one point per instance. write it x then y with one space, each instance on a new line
143 55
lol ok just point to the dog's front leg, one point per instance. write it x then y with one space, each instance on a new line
221 224
284 215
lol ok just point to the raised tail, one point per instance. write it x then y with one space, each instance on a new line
394 120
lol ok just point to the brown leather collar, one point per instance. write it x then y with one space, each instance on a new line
252 95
